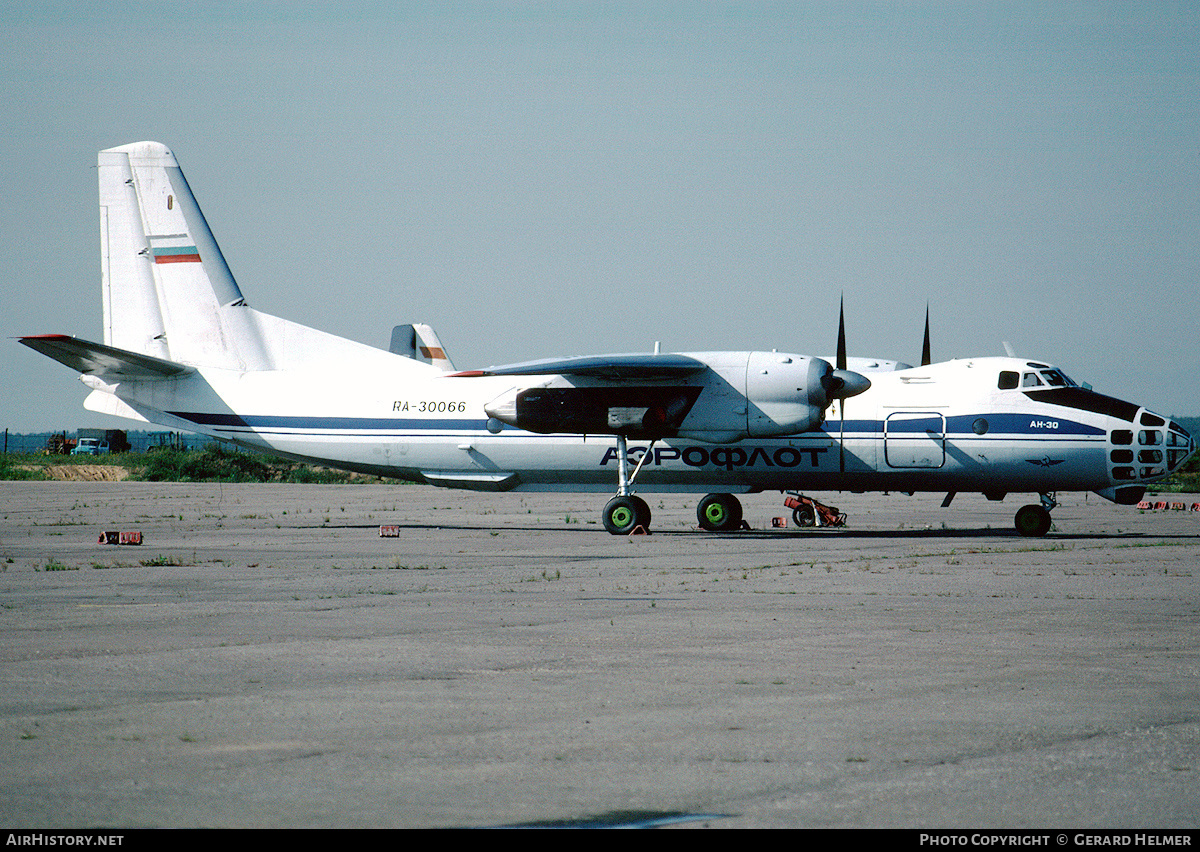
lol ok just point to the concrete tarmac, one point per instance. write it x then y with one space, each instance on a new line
266 659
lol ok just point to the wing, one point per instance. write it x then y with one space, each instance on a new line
612 367
105 362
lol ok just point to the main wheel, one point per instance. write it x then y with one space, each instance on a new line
719 513
1033 520
622 515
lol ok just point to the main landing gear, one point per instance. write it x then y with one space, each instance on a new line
626 513
1034 520
719 513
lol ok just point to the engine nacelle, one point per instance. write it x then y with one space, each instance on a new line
784 393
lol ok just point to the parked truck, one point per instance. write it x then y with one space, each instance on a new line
96 442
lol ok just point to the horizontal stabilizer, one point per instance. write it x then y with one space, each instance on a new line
105 362
615 367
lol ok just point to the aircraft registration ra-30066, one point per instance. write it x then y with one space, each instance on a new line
183 349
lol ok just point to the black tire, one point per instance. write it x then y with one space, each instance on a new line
643 512
1032 520
622 515
719 513
805 516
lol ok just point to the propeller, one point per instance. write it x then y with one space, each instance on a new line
843 383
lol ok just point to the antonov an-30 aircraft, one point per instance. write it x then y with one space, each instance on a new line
184 350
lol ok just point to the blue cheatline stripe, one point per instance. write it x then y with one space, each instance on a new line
1020 424
271 421
999 425
1005 425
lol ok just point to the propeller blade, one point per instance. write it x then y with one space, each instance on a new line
926 360
839 379
841 344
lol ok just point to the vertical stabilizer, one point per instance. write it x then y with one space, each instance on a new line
420 342
167 289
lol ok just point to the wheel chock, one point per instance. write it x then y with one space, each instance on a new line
639 530
120 538
389 530
778 523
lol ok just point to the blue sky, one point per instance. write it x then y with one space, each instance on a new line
540 179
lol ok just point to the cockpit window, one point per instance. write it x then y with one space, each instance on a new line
1057 379
1008 380
1046 377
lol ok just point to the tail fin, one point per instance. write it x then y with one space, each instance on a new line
168 292
420 342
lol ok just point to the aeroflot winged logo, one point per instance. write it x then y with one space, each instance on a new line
1045 461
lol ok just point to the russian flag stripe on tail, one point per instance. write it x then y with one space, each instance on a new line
176 254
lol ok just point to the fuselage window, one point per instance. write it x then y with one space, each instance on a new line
1008 380
1031 380
1122 436
1149 437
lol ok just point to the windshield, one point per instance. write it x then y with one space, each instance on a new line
1057 379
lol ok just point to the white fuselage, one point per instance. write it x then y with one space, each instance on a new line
942 427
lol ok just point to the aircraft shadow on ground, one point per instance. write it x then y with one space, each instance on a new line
774 534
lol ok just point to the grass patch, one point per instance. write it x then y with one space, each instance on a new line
161 561
214 463
23 466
